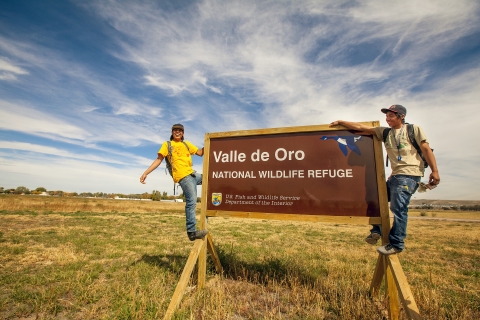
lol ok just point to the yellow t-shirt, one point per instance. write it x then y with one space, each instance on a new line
411 163
181 158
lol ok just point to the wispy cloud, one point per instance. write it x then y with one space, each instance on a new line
29 169
262 50
29 120
9 71
35 148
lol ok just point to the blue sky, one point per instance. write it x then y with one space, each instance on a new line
89 89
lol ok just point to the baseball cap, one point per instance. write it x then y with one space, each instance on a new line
399 109
178 126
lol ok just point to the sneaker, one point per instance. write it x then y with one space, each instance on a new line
198 234
373 238
388 249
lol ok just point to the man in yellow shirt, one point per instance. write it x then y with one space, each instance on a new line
182 173
407 170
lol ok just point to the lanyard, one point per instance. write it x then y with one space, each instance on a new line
397 142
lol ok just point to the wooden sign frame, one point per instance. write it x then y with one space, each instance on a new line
380 176
388 267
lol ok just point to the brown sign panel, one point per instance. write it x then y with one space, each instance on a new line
310 173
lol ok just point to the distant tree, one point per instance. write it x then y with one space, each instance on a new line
2 190
470 208
156 195
86 194
41 189
146 195
164 195
21 190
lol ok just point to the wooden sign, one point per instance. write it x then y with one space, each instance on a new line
285 172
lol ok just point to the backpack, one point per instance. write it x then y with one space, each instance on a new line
168 162
411 137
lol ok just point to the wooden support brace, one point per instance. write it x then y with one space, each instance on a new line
213 254
202 266
391 292
406 296
182 284
377 276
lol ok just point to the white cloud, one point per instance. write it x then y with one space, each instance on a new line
35 148
66 174
259 46
8 67
7 76
29 120
163 84
9 71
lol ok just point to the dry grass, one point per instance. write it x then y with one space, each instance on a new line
81 264
445 214
59 204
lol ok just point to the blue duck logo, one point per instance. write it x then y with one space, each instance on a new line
345 143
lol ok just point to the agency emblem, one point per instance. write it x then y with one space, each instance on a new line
216 199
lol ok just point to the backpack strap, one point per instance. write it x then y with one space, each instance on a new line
169 157
413 141
186 145
386 131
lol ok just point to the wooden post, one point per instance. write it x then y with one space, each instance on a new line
391 292
182 284
406 296
202 262
213 254
377 276
202 258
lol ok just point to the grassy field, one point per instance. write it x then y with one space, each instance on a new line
105 259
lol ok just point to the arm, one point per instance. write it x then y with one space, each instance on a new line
432 162
354 126
152 167
199 152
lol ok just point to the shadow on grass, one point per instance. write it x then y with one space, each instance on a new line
258 272
170 262
285 271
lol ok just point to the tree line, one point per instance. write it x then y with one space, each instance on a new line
158 196
155 195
